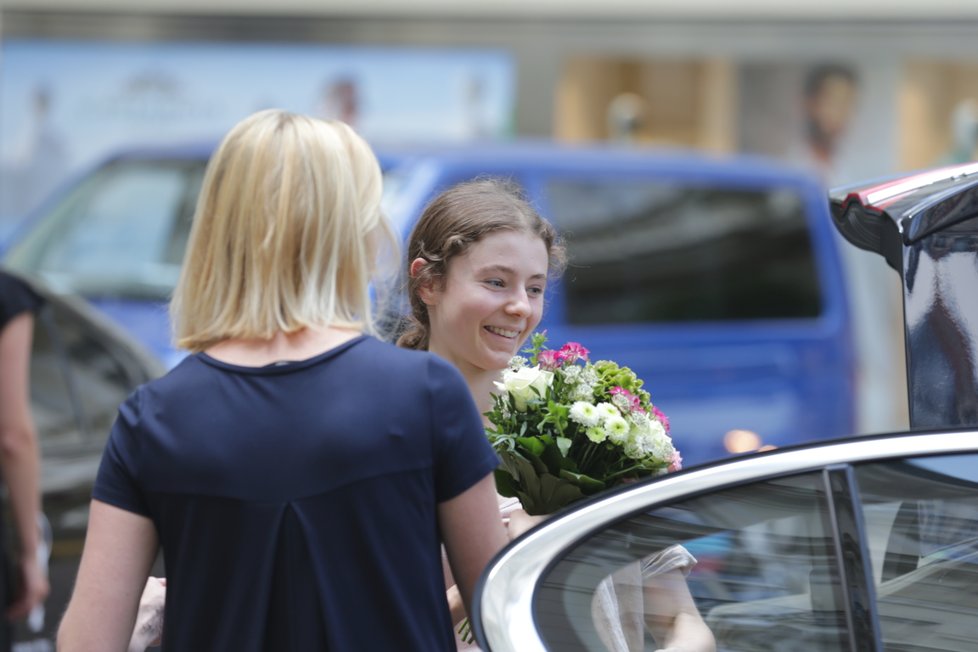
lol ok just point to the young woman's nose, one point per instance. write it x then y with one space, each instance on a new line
519 303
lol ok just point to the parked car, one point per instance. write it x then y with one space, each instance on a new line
717 280
867 543
82 367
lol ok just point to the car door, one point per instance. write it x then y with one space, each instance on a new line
855 545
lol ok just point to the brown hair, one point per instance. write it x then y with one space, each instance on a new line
456 219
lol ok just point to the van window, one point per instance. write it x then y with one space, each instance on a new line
655 251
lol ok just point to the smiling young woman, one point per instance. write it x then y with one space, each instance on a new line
478 262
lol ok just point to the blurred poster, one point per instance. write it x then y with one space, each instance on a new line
66 104
837 119
834 117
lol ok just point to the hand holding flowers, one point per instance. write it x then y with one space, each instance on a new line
566 428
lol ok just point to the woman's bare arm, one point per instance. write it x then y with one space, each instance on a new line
473 533
19 457
672 615
120 547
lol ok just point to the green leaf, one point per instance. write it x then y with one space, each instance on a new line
516 465
506 485
535 445
543 452
587 484
556 493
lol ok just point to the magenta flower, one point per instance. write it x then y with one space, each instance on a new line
663 419
572 352
549 359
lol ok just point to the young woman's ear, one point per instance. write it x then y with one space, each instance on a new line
425 290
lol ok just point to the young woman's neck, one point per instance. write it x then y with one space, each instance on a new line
481 387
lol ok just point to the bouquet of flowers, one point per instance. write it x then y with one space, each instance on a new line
566 428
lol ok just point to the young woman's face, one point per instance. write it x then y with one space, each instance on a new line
490 301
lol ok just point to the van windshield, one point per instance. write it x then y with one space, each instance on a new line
121 232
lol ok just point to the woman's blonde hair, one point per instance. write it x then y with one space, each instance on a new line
286 233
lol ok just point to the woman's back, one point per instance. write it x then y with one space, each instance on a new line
296 501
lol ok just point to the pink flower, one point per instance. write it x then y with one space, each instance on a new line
676 462
572 352
663 419
549 359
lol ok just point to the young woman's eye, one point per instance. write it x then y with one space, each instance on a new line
495 282
535 291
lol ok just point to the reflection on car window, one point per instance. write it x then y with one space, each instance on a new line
655 251
78 380
120 232
922 522
764 573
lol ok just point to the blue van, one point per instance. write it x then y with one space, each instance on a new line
717 280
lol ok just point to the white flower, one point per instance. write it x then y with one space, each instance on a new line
621 402
607 411
572 374
517 362
525 384
634 450
617 429
658 431
653 441
581 392
640 422
596 434
589 376
659 444
584 413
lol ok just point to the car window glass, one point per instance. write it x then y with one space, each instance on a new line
922 522
761 570
116 234
660 251
79 376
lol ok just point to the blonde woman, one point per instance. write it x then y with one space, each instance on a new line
299 474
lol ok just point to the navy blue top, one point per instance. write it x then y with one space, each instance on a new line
16 296
296 503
